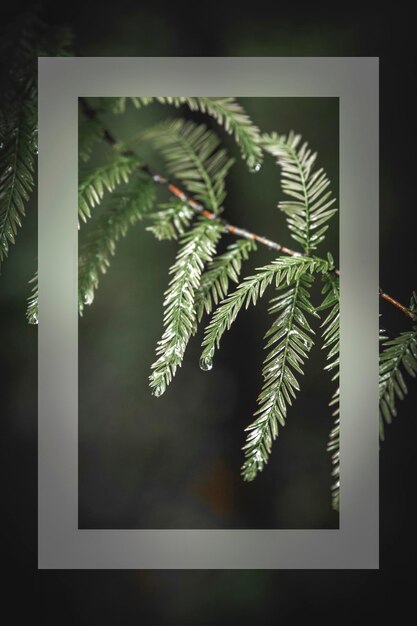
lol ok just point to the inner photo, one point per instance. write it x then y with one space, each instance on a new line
209 313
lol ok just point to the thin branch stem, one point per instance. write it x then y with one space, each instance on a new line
91 113
230 228
397 304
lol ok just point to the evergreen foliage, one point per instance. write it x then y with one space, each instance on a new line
192 157
110 226
89 133
32 306
17 156
282 271
172 219
214 284
331 340
198 247
92 188
310 208
290 339
398 357
21 43
121 192
226 111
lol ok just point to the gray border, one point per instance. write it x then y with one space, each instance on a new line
61 544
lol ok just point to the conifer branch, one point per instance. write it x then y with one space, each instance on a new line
290 336
398 355
110 226
215 280
105 177
90 132
32 307
192 156
200 281
226 111
331 342
282 271
233 230
25 38
198 247
410 312
333 446
231 115
237 231
311 206
17 158
172 219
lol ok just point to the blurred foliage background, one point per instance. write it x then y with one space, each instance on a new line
130 28
174 462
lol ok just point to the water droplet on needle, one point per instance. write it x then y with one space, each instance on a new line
206 364
158 391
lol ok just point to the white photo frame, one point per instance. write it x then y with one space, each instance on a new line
62 545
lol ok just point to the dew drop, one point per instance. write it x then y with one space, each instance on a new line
158 391
206 364
1 145
88 298
255 168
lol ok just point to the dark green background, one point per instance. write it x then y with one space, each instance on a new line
205 597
